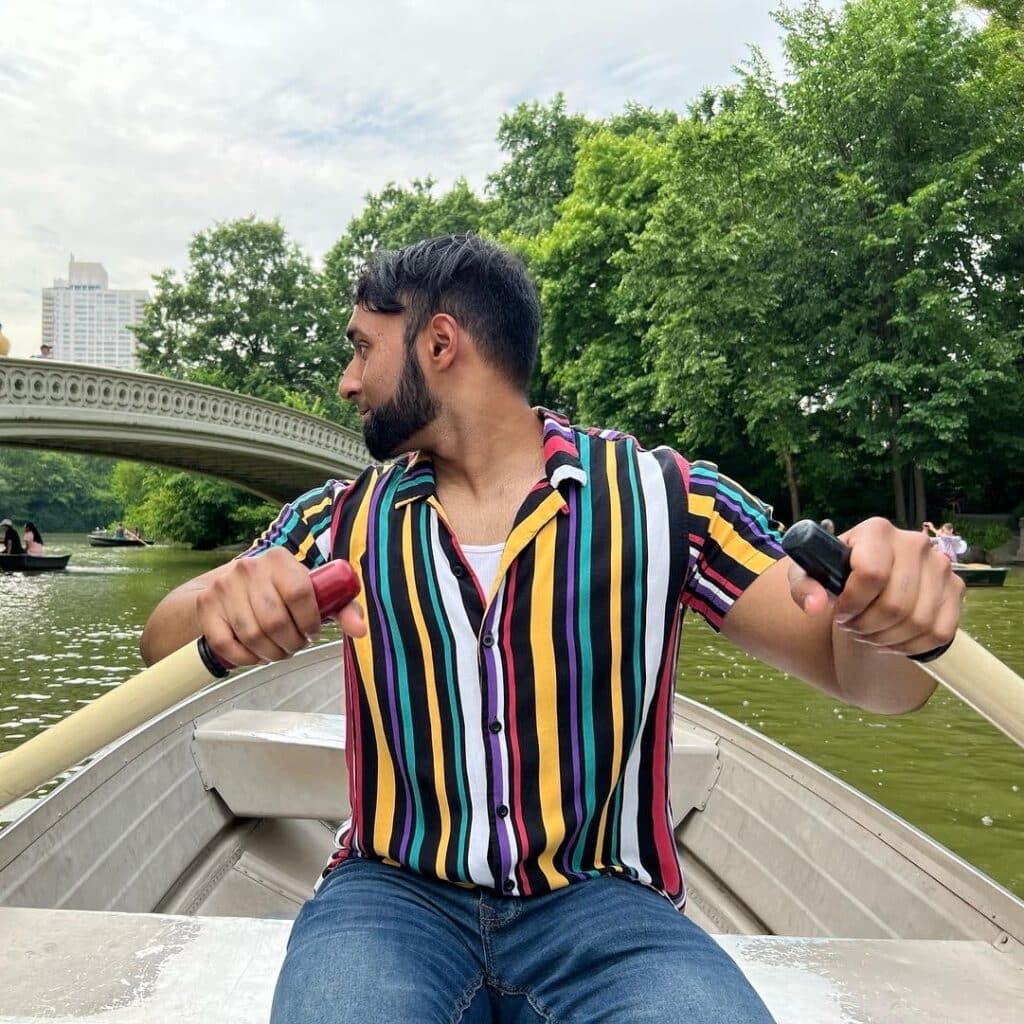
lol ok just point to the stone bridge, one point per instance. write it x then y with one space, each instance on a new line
92 410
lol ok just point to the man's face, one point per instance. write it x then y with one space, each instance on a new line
385 382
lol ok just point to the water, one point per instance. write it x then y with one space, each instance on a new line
67 637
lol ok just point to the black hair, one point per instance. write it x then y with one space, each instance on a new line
483 285
29 525
11 537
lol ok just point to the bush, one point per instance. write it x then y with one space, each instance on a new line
983 535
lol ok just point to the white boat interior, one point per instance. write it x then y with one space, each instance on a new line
159 881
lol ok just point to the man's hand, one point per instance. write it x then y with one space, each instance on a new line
902 596
263 609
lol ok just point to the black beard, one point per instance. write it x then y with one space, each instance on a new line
389 426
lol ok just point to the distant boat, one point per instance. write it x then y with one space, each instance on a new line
33 563
976 574
106 540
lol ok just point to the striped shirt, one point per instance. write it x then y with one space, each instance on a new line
520 739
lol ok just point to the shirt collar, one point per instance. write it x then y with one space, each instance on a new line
561 461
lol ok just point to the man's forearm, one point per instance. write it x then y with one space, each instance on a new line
877 681
172 624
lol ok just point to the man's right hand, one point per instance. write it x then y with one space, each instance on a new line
251 610
263 609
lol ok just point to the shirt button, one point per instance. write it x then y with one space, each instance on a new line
488 640
495 727
508 885
502 811
458 572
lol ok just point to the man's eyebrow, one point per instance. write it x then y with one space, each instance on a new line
350 333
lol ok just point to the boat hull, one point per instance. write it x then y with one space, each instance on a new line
981 576
118 542
804 879
33 563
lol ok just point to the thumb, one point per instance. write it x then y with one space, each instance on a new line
810 595
351 619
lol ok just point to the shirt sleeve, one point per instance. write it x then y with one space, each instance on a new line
303 526
733 539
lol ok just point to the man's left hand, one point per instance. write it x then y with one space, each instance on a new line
901 597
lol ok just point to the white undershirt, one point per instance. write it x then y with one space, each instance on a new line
484 560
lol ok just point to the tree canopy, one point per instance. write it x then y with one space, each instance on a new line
813 274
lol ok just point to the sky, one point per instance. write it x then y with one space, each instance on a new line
127 128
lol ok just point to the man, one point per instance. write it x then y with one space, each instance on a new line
510 853
10 541
45 351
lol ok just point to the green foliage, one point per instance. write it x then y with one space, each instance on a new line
541 141
250 314
590 355
59 493
912 186
815 277
184 507
982 535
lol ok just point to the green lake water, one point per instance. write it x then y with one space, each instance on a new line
66 637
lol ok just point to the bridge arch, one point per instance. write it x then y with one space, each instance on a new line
275 452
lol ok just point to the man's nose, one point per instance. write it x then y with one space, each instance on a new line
349 385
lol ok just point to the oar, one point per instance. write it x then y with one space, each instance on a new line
966 668
151 692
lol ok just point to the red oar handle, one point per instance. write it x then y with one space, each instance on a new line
334 584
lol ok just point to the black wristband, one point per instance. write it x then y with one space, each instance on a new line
935 652
213 664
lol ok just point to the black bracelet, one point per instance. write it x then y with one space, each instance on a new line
931 655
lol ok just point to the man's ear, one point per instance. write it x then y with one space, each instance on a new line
444 337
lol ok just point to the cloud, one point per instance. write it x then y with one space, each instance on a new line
128 128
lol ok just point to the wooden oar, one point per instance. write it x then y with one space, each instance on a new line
151 692
966 668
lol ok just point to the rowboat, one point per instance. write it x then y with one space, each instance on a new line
33 563
977 574
158 881
101 540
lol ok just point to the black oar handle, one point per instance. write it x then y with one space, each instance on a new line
334 585
819 554
827 559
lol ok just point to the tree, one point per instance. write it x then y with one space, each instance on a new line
590 356
913 190
59 493
250 315
712 286
185 507
541 142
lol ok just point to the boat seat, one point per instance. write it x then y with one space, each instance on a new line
291 764
275 764
103 968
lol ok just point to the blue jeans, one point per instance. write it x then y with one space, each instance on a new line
381 945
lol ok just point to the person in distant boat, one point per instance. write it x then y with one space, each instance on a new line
33 539
119 530
509 690
11 540
946 540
